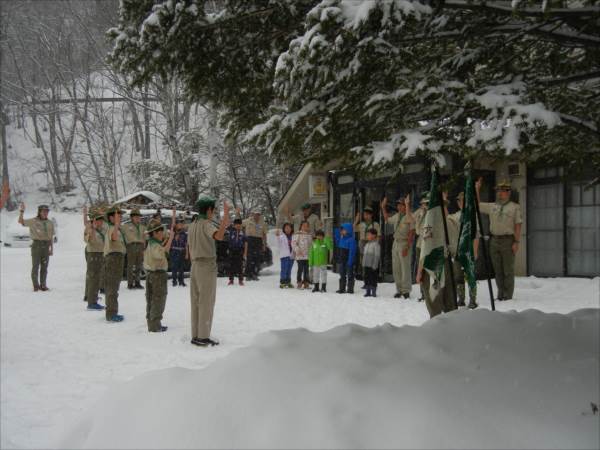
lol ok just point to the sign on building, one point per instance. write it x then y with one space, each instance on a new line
317 187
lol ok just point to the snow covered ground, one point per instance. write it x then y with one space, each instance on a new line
59 360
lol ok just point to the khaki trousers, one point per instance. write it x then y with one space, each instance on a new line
40 256
95 264
503 262
203 291
113 272
135 261
156 297
401 267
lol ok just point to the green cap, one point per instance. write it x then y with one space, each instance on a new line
205 202
307 206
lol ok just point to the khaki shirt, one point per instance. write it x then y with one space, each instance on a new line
503 217
255 229
111 246
134 233
363 227
155 256
95 240
314 223
200 239
419 218
40 230
402 224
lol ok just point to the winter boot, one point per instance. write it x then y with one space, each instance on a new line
374 292
316 288
181 283
324 287
242 282
138 286
342 289
368 291
116 318
350 289
95 307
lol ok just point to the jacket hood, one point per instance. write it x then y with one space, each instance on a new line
348 227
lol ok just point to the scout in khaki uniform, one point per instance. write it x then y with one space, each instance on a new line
135 239
314 223
202 235
459 273
41 231
156 265
419 218
256 234
93 236
505 228
404 234
114 256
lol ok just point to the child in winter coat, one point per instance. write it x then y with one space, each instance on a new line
345 255
370 262
285 255
318 258
237 249
301 242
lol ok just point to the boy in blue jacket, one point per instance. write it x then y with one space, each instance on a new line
346 253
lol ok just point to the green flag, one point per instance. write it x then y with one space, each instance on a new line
434 243
465 253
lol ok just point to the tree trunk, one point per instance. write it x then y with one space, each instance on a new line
5 200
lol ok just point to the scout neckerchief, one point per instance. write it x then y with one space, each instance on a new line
502 205
137 226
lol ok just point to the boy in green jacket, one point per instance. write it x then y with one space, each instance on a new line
318 258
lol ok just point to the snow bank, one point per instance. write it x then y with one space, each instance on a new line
464 380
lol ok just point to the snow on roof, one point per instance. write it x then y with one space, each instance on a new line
151 196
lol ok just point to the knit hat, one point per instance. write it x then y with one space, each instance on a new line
154 225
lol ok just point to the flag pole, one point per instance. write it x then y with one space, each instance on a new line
484 246
443 205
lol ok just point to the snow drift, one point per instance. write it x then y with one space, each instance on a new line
466 379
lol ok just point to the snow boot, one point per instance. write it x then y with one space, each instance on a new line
324 287
316 288
397 295
342 289
368 291
116 318
374 292
95 307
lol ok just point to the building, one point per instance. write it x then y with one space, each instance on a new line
560 235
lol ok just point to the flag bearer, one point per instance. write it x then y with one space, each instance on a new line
505 228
